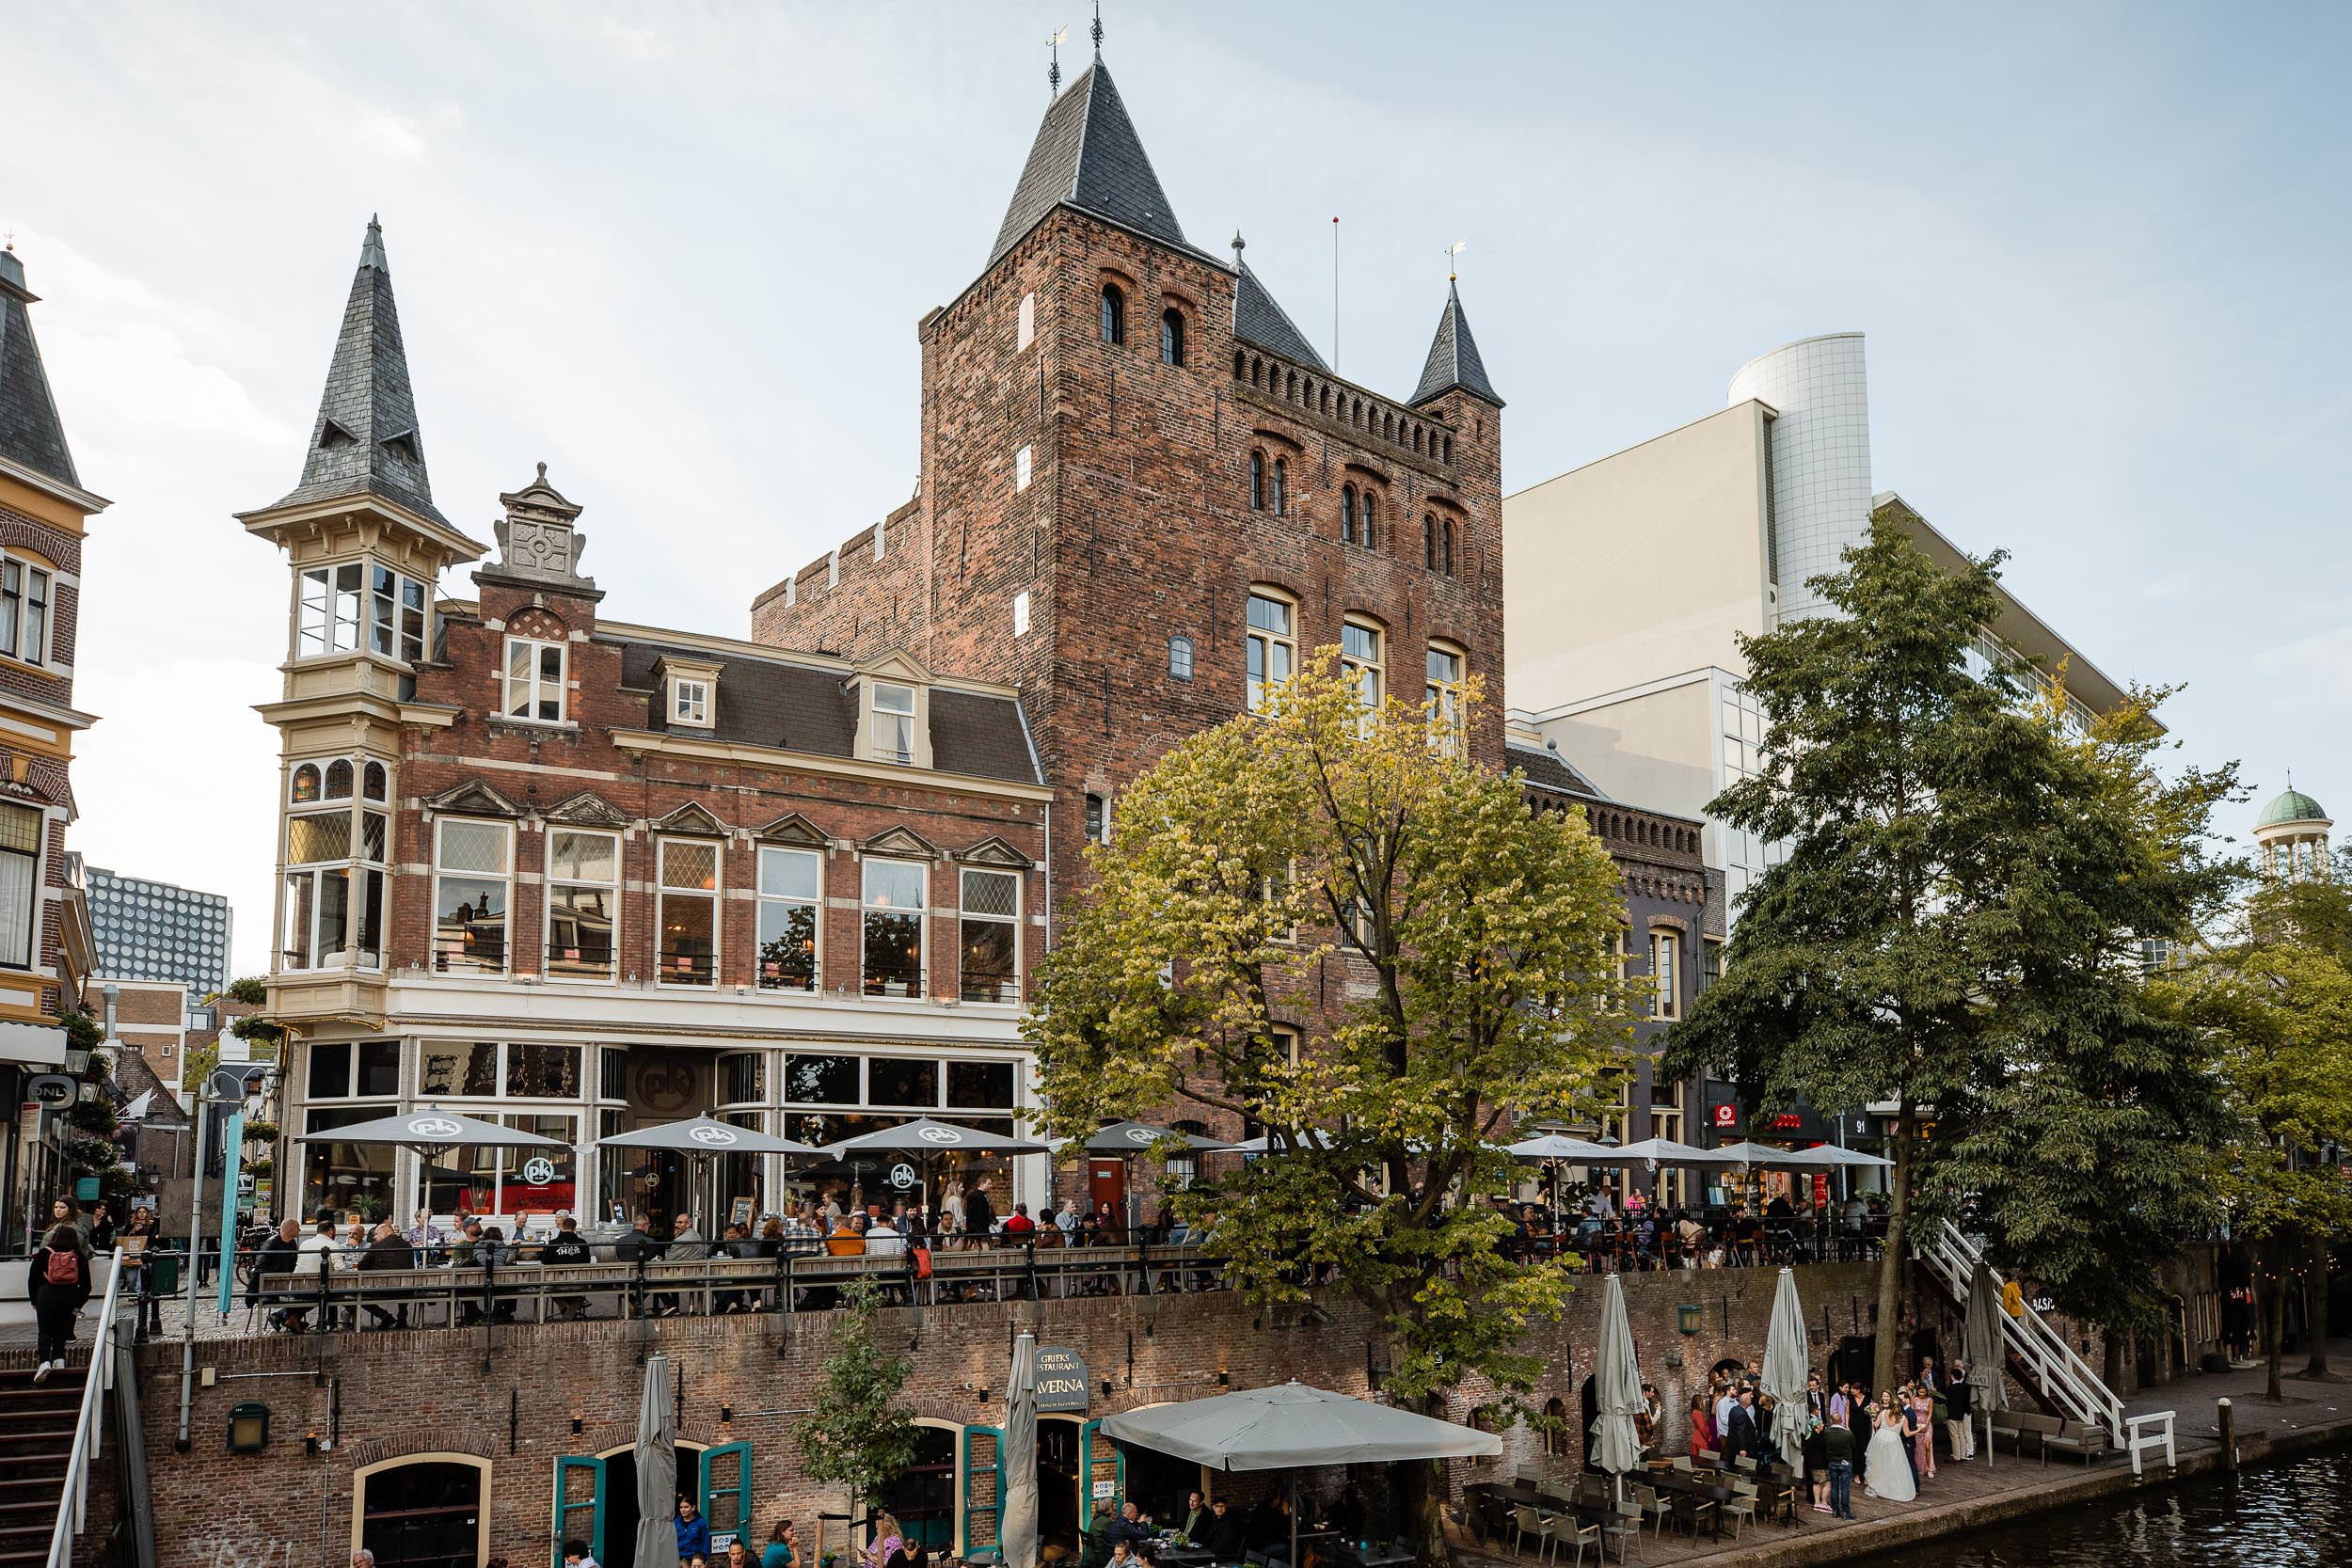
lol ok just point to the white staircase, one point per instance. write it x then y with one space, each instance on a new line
2043 1354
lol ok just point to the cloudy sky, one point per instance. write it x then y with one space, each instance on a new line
677 253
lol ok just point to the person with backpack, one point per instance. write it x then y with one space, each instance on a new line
57 1284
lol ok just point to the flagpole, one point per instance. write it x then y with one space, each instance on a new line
1335 293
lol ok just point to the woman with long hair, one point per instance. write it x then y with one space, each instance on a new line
58 1283
1887 1467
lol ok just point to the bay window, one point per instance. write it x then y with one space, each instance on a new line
583 905
534 680
472 861
791 893
326 619
23 838
990 945
891 927
687 915
338 854
397 615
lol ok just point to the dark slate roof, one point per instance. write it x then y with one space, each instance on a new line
365 440
30 431
1257 318
1548 770
1453 360
1087 156
796 707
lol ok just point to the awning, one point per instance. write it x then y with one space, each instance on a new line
1292 1424
33 1044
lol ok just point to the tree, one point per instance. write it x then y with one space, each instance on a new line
858 1435
265 1039
1329 849
1954 880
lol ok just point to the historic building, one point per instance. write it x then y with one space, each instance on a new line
44 945
575 874
2290 836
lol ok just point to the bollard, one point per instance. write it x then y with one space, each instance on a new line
2229 1435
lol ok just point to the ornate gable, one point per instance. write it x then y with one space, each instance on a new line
792 828
691 818
994 850
900 841
472 799
587 809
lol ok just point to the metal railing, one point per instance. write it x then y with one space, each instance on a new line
74 1502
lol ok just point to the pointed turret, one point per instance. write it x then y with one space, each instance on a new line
1088 156
1453 360
1258 320
365 440
31 433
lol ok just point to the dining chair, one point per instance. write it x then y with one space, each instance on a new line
1740 1505
1540 1526
1622 1523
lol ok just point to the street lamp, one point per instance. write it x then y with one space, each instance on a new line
229 1084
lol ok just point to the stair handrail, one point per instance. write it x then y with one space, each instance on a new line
2064 1374
74 1502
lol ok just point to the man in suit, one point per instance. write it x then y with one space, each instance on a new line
1959 1404
1741 1435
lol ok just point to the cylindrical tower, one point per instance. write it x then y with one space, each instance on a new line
1819 456
2292 836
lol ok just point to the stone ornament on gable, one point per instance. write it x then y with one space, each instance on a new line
537 538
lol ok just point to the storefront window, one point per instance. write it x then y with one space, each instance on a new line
464 1069
332 1069
542 1071
518 1182
742 1077
738 1177
979 1085
822 1080
902 1080
349 1179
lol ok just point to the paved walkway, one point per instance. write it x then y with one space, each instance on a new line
1964 1496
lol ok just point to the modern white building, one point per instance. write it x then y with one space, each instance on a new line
1631 579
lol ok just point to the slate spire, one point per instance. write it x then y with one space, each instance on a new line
365 440
1453 360
1088 156
30 431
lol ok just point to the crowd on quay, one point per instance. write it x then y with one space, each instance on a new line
1644 1235
1889 1439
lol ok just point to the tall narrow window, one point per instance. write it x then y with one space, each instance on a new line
1273 647
13 603
1445 547
1442 694
894 721
891 929
1666 973
991 937
1179 658
1364 535
583 905
688 918
791 892
33 647
1027 332
1360 661
534 679
326 621
20 842
1097 819
1171 337
1114 314
1281 487
1428 542
1347 514
469 895
1256 481
396 614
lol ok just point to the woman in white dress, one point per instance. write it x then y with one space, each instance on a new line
1886 1468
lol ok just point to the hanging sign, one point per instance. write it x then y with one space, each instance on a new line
902 1176
1061 1379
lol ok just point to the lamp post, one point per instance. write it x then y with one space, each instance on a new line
227 1086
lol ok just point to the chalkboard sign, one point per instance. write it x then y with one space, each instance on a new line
1061 1379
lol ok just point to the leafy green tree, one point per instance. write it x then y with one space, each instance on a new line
1325 849
858 1435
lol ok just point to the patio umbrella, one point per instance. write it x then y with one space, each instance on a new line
657 1467
1786 1356
924 1137
1016 1459
1617 1385
1765 1154
703 1139
1136 1137
1654 1152
1558 1145
1830 1156
432 1131
1980 1346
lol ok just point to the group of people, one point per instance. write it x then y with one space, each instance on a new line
1891 1437
62 1272
692 1534
1649 1236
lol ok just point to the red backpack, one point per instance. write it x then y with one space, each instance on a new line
64 1268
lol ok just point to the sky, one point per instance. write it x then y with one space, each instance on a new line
678 253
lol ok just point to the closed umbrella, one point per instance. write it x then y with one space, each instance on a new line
1617 1389
1980 1342
1785 1369
657 1468
1016 1527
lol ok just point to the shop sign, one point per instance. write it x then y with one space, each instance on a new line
52 1089
1061 1379
902 1176
1726 1115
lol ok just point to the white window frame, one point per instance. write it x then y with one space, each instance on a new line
1021 613
1443 698
965 915
547 906
356 865
689 701
330 621
36 863
1026 333
440 869
1021 468
715 893
814 902
1370 674
533 685
1665 969
382 611
1263 643
876 714
922 913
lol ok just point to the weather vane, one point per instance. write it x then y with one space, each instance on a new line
1053 72
1098 29
1451 251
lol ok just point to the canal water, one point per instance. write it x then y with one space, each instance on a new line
2297 1514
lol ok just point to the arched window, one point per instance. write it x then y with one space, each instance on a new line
338 780
1558 1434
1241 364
372 781
305 788
1364 535
1273 644
1428 542
1388 426
1179 658
1442 692
1257 370
1256 481
1356 412
1445 547
1449 449
425 1509
1417 437
1171 337
1114 314
1323 406
1281 487
1290 386
1347 514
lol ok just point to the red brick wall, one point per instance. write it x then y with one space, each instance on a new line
876 604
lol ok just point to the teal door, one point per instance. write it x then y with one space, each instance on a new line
983 1490
724 1478
1102 1478
579 1506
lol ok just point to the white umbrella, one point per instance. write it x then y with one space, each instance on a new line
1664 1151
1981 1343
1292 1424
1016 1525
706 1135
1786 1356
1136 1137
1558 1145
657 1468
1829 1156
1616 1388
1765 1154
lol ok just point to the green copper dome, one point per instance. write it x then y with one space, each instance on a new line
2292 805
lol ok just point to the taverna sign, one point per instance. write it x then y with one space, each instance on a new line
1061 1379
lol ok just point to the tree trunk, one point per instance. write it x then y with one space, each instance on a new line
1421 1485
1886 1365
2274 1294
2315 1305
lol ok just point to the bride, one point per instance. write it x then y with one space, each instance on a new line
1886 1468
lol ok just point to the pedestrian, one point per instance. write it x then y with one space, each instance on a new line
1837 1446
575 1555
1921 1431
739 1555
1816 1441
58 1283
1958 1405
784 1546
101 1229
1741 1436
693 1532
1702 1427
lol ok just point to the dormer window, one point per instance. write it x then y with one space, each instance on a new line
534 680
690 701
690 690
894 721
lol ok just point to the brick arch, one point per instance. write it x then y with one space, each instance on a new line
473 1442
538 621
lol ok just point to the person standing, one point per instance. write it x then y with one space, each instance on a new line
1837 1442
693 1532
1921 1431
58 1283
979 1212
1958 1405
1887 1467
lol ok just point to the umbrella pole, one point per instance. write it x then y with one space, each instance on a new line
1294 1557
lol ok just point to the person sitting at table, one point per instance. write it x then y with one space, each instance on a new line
1131 1525
389 1249
1346 1513
1228 1537
849 1235
567 1248
1196 1518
